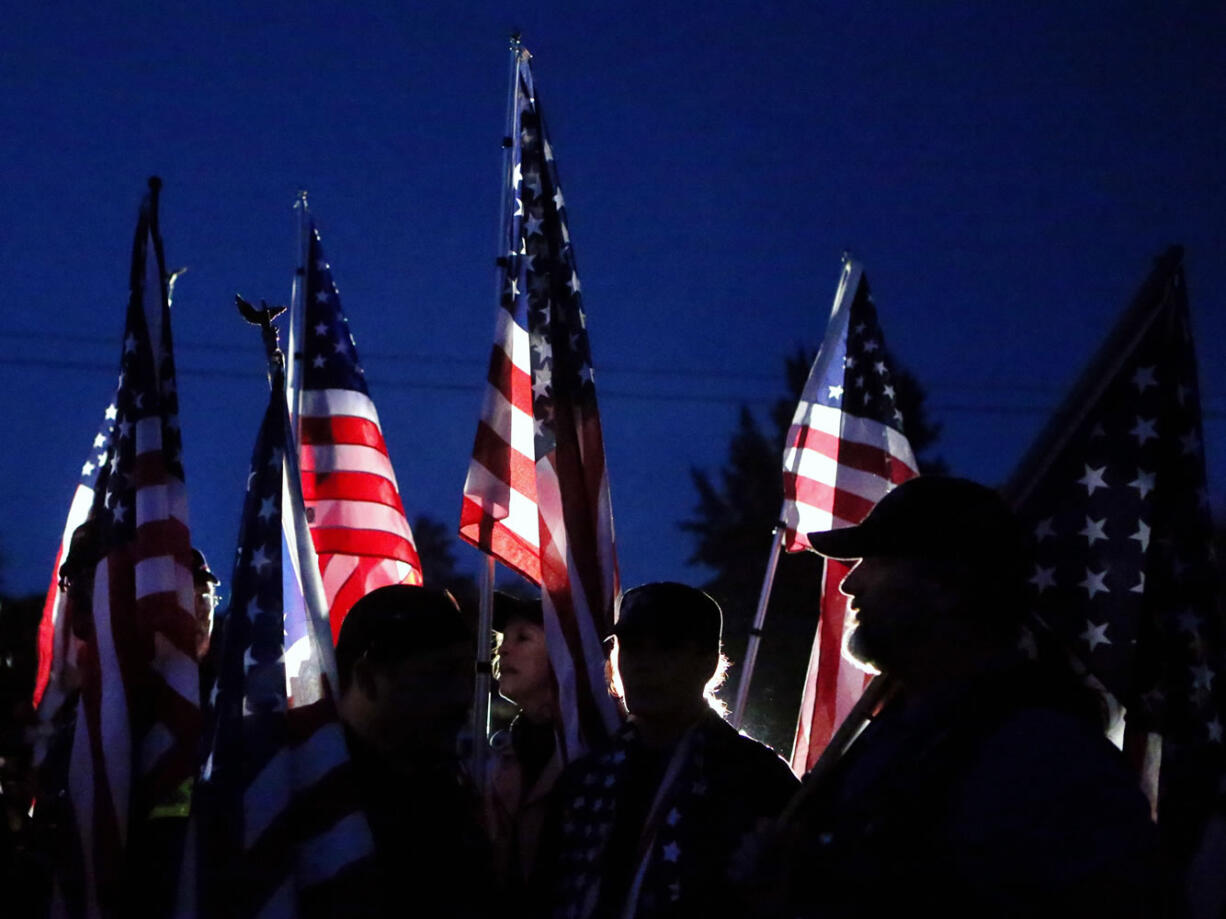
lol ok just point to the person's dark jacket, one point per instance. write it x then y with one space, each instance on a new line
663 830
991 799
430 847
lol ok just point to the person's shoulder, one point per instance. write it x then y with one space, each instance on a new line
1042 734
1055 762
751 756
579 772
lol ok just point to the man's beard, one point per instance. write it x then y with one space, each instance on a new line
866 648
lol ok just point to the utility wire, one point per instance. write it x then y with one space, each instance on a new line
220 373
434 358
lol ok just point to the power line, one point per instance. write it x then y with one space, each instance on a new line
612 392
452 360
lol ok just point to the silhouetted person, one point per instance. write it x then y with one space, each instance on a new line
525 760
653 826
985 786
204 583
405 663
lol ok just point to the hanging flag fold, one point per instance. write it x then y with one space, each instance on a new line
1114 493
56 645
281 829
352 498
136 738
537 493
845 451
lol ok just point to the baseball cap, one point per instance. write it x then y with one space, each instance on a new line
672 613
508 606
397 621
201 573
931 517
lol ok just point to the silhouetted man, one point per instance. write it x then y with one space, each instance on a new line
405 663
652 827
985 786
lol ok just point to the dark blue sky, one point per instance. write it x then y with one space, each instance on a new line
1005 175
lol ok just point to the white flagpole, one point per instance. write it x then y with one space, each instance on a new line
755 631
848 280
485 615
297 312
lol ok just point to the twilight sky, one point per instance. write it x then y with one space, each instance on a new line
1005 175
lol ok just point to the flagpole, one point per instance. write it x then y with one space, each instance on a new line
755 631
875 695
481 701
297 311
485 610
308 563
849 278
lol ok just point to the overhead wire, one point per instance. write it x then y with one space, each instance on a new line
613 392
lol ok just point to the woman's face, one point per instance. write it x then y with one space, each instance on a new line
524 676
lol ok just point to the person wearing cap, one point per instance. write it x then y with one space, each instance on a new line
652 826
984 785
404 661
525 760
205 584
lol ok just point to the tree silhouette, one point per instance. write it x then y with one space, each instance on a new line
732 525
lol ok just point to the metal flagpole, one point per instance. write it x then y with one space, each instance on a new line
481 700
875 695
755 631
307 562
848 280
297 312
485 613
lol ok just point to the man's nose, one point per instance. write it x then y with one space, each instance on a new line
851 583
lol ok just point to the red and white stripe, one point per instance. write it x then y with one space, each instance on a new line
579 579
499 513
137 735
353 502
836 467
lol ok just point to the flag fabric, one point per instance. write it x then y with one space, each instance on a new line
54 637
845 450
537 492
1114 491
353 501
280 826
136 738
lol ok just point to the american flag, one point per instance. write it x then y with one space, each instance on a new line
54 637
537 492
281 829
845 450
1114 491
137 733
353 502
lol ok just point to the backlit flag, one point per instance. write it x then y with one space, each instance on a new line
1114 491
54 637
845 450
281 829
137 733
537 492
353 502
